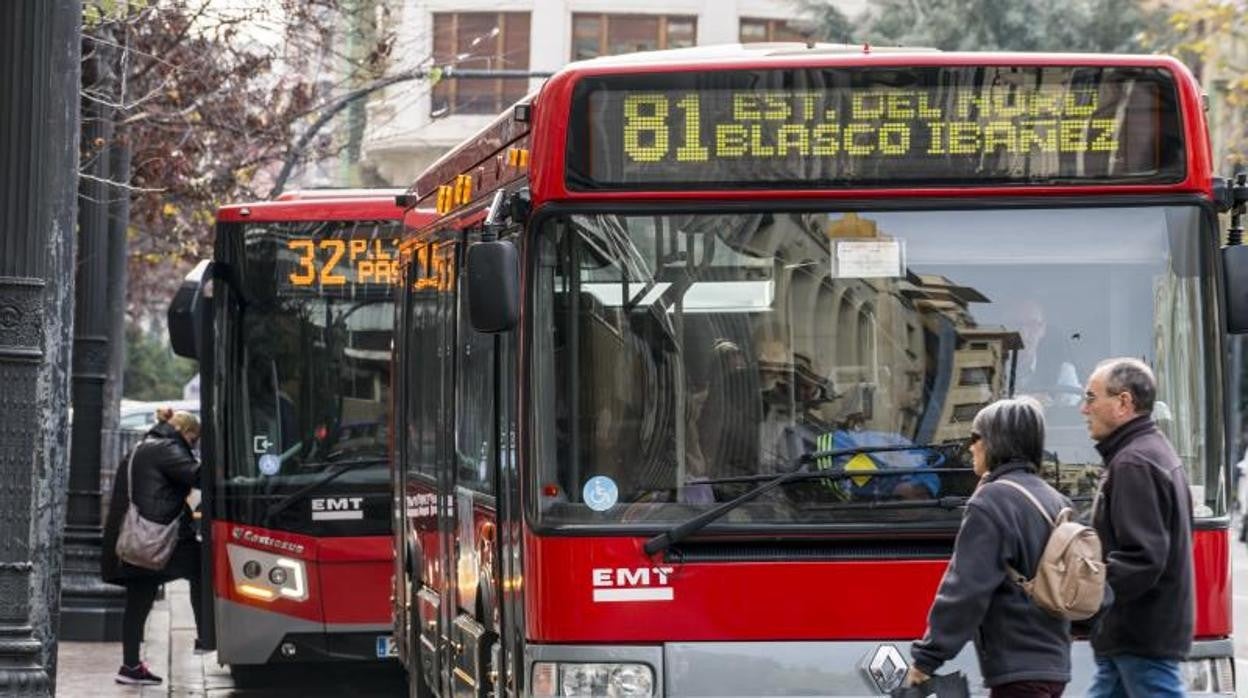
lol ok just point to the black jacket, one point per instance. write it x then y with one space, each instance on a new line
1015 640
165 470
1143 514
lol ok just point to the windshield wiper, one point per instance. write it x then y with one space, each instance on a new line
679 532
346 466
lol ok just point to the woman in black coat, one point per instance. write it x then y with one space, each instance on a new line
165 470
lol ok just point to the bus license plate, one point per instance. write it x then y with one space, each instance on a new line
386 647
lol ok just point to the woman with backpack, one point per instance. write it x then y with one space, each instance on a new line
1022 649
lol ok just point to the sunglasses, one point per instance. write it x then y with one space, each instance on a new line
974 439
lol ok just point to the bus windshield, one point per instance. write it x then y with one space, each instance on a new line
313 349
681 359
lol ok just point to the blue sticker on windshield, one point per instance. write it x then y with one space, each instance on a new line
270 464
600 493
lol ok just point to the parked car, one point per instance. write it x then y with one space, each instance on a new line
140 416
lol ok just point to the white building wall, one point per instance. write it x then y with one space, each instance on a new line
402 138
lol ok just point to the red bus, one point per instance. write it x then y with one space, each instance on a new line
711 327
292 323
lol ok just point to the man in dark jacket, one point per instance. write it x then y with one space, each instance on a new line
164 471
1143 515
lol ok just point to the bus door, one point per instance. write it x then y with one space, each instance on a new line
190 323
472 446
443 328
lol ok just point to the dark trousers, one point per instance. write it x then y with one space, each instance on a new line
1028 689
141 594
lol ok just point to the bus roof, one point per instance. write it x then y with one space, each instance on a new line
378 206
540 121
338 193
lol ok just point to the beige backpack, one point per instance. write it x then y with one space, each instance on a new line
1070 579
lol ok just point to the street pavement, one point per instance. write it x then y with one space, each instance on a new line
87 668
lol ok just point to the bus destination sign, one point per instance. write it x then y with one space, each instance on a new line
873 127
344 264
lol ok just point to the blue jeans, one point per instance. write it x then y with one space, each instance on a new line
1132 676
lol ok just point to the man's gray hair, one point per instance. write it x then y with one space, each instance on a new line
1012 430
1127 375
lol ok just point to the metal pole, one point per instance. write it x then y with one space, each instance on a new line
38 167
91 609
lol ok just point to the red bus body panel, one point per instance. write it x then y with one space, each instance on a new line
355 578
856 600
348 578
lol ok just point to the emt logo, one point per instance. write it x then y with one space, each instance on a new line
631 584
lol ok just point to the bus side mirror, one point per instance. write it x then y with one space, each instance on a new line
186 312
493 286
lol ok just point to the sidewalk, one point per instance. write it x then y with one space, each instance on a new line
87 668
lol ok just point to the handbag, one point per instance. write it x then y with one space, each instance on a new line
947 686
140 541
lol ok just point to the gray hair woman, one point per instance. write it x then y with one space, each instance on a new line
1022 650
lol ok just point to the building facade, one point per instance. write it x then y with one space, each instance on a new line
411 124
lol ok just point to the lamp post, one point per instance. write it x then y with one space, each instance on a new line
91 610
38 169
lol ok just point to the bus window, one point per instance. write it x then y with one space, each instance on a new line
475 406
685 351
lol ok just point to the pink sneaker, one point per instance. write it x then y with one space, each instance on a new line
137 676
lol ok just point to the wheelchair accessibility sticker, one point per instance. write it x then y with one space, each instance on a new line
600 493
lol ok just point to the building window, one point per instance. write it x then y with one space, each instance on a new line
480 41
608 35
756 30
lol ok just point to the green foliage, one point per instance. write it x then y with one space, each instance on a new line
1108 26
153 372
830 24
1211 38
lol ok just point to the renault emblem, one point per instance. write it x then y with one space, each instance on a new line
887 668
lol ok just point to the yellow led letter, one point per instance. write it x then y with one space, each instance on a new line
1073 137
823 140
868 105
792 136
855 145
1105 141
730 140
1000 134
1080 103
895 139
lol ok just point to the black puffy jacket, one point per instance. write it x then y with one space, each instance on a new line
165 470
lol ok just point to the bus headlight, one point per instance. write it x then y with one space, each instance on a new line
1209 675
264 576
293 585
596 679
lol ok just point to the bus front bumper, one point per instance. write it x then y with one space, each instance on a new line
747 669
